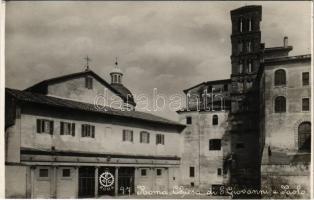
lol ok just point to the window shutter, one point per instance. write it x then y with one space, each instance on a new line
123 135
42 125
93 131
131 136
163 139
73 129
157 139
141 137
38 124
51 127
61 128
148 137
82 131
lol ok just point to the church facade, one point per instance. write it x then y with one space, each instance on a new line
60 144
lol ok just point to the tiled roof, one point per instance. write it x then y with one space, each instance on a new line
25 96
123 90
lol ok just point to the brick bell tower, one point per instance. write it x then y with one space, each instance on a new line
246 58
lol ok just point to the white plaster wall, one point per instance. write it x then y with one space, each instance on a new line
195 136
105 141
74 89
284 125
15 181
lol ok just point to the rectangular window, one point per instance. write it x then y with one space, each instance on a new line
88 130
219 171
188 120
127 135
305 104
143 172
89 82
144 137
66 172
44 126
192 171
43 173
67 128
215 144
305 78
160 139
159 172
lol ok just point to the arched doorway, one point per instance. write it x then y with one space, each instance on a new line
304 137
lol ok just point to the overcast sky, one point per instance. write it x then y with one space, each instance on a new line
170 46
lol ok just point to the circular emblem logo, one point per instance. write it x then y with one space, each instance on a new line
106 179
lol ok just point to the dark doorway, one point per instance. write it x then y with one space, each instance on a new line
86 182
105 184
126 181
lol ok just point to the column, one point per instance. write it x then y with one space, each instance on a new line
96 181
32 182
53 182
116 181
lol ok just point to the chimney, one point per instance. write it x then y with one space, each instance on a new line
285 41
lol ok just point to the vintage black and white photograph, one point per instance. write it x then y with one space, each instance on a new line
158 99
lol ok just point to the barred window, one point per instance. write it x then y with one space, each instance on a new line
143 172
214 144
44 172
44 126
66 172
127 135
88 130
280 77
160 139
144 137
67 128
280 104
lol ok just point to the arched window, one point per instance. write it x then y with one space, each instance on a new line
215 120
280 77
250 24
241 25
304 137
280 104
